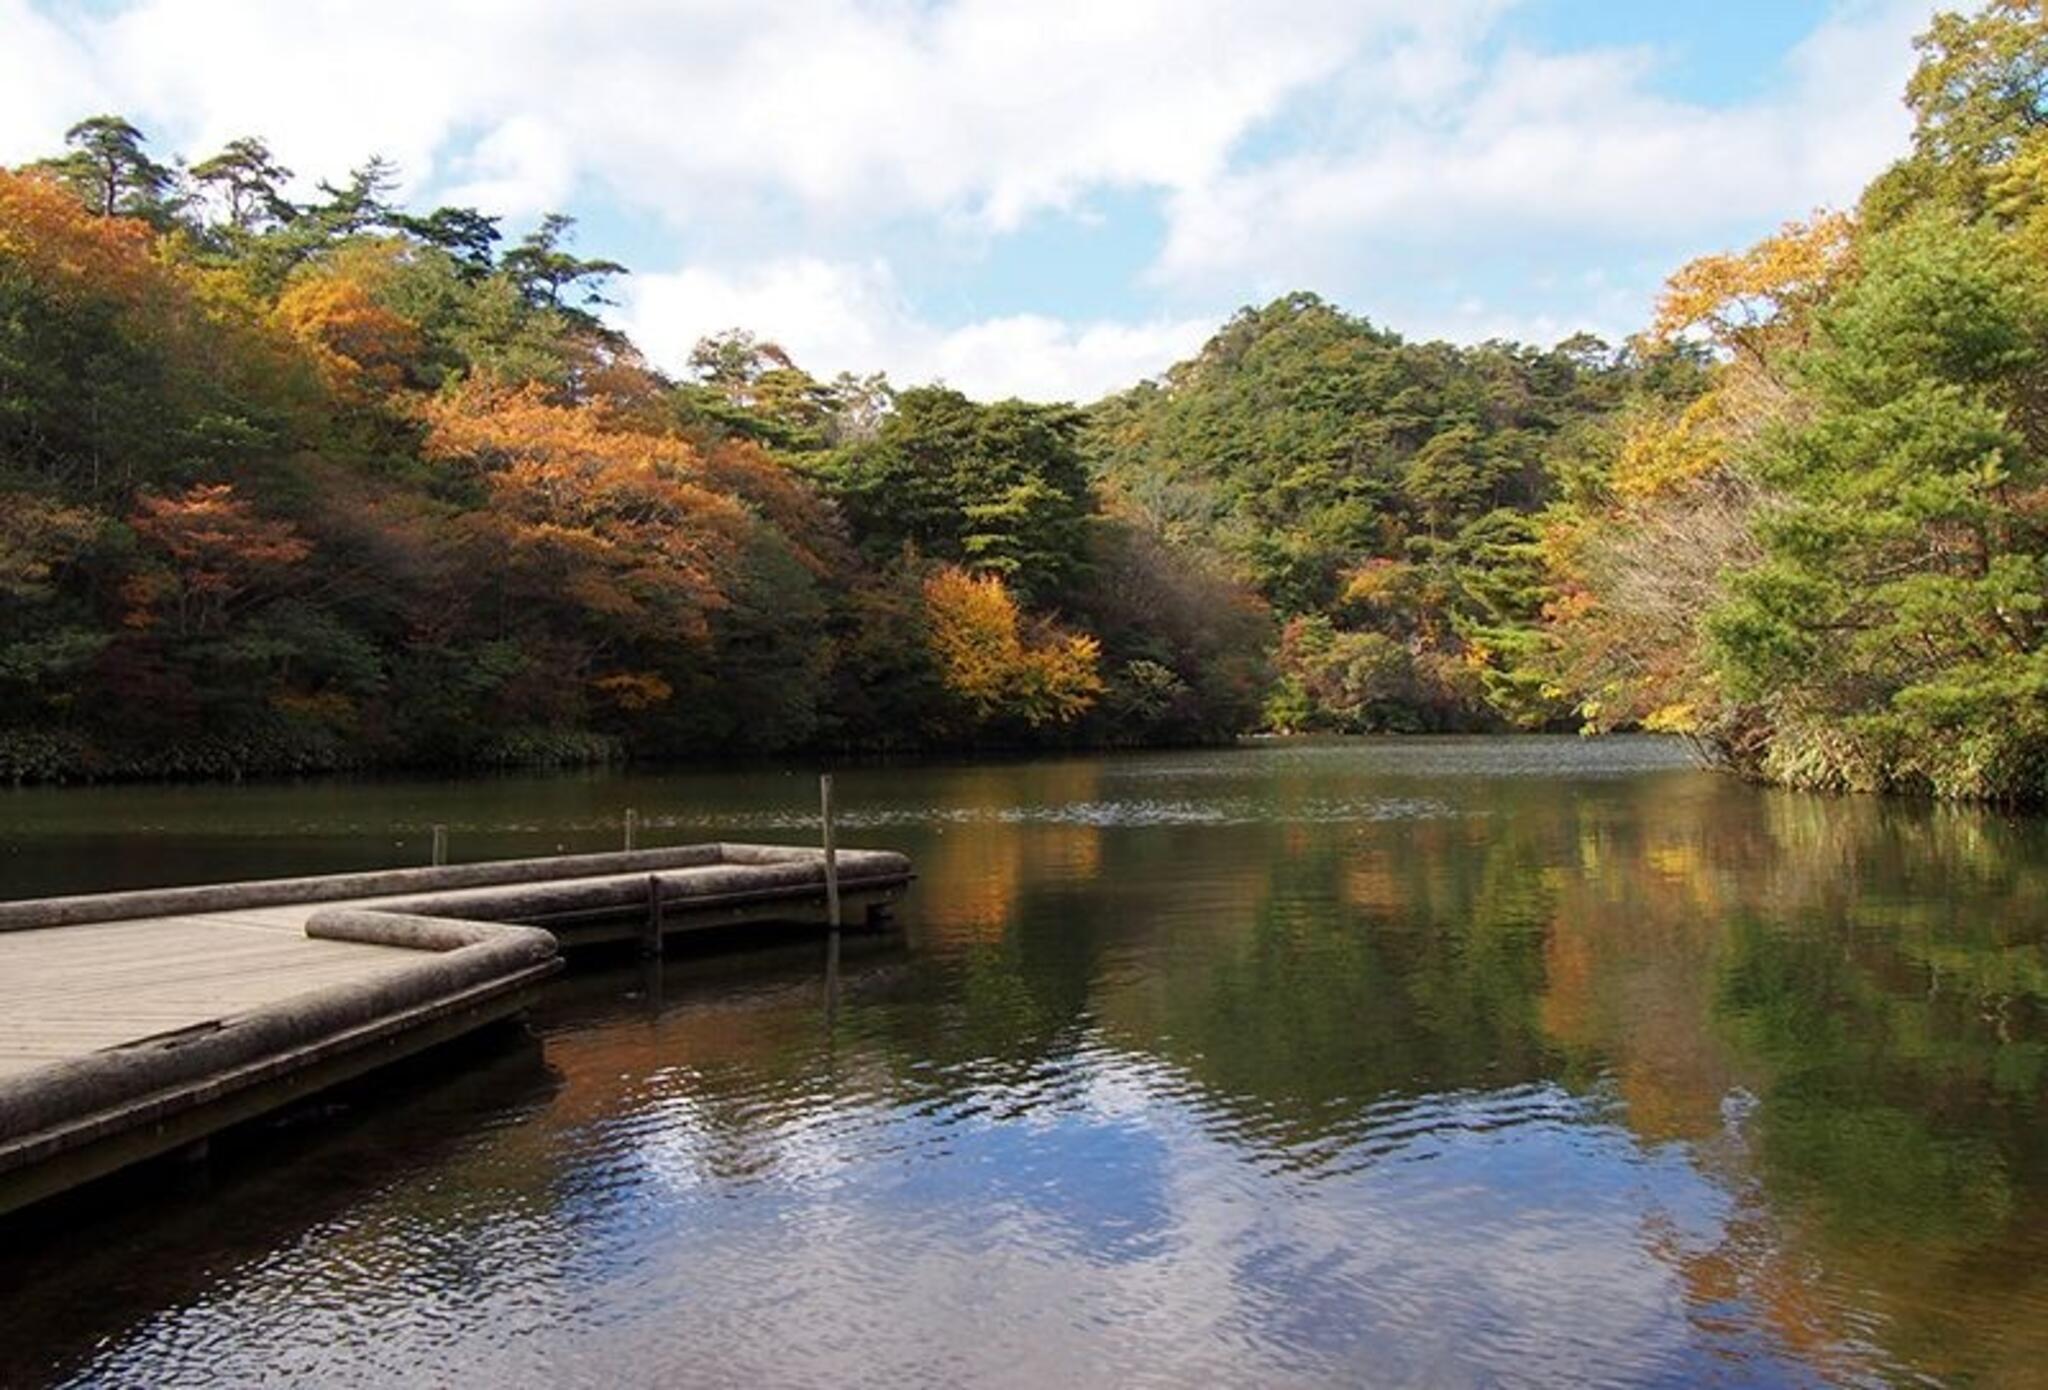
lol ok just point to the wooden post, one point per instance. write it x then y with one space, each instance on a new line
632 824
831 853
650 940
440 845
651 983
831 901
832 978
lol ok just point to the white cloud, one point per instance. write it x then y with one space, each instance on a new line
983 108
1390 154
522 168
1562 144
838 316
46 83
1033 355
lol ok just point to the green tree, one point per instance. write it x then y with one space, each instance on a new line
1360 480
468 236
360 205
108 168
1893 632
544 269
249 182
1979 90
1002 487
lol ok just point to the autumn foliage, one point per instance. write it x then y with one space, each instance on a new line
325 484
213 551
1742 299
64 253
997 669
614 524
304 484
362 349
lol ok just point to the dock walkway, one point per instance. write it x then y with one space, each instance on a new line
135 1023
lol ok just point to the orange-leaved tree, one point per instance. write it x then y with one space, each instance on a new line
49 236
607 534
363 350
213 550
1749 302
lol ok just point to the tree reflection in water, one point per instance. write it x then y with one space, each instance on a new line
1460 1061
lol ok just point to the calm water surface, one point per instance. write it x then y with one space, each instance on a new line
1432 1062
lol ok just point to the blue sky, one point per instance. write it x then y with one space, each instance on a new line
1054 198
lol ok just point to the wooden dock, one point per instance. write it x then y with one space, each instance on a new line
132 1024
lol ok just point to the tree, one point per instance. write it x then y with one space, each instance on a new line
218 550
1640 554
110 171
996 670
1893 633
544 270
1001 488
1186 647
1355 682
760 392
1451 478
357 206
733 361
1747 302
364 350
750 388
859 405
249 182
46 637
608 535
1981 87
467 235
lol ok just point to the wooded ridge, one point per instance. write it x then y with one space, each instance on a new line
298 485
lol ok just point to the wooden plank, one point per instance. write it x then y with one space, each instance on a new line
66 991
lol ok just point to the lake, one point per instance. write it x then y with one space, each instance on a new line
1423 1061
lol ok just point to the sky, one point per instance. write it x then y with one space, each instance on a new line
1046 198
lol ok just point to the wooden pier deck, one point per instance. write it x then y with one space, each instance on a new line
71 991
132 1024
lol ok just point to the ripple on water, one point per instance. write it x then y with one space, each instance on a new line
1588 1083
1096 1214
1125 813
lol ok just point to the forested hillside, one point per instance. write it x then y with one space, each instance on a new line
306 483
1802 518
1384 497
1829 565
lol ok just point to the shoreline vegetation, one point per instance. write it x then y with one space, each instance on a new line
336 484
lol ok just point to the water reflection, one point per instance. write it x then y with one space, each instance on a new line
1459 1062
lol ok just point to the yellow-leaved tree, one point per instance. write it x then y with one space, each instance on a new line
363 349
1635 570
997 665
